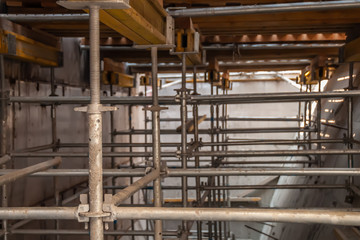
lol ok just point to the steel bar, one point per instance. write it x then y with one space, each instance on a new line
45 17
201 172
277 153
197 159
201 153
48 232
3 138
183 117
11 177
133 188
37 148
350 121
265 172
267 162
274 142
170 100
293 186
95 130
266 8
219 131
156 142
325 216
235 119
117 145
228 143
39 213
247 187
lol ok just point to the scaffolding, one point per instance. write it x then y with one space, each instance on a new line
99 211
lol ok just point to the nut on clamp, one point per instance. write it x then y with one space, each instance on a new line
95 108
84 214
108 207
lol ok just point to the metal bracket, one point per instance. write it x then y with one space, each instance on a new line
83 208
95 108
154 108
108 209
104 4
159 46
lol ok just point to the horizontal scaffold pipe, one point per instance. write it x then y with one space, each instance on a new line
261 119
268 153
202 172
20 173
230 143
170 100
326 216
323 216
266 8
85 232
218 131
39 213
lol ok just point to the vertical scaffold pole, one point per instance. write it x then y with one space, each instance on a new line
156 140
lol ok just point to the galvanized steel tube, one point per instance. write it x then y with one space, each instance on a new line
156 141
95 129
11 177
266 8
327 216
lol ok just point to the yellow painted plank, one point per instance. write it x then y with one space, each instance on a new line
119 27
28 50
133 20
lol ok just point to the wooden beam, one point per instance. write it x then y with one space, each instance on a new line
16 43
143 23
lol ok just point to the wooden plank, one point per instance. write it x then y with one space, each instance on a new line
36 35
138 24
25 49
119 27
143 23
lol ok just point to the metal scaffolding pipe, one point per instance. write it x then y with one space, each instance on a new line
293 186
327 216
133 188
265 172
277 153
248 187
95 129
266 8
206 99
235 119
229 143
39 213
219 131
183 116
156 141
85 232
201 172
272 97
45 17
11 177
268 153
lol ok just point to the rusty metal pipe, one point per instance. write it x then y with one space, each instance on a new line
11 177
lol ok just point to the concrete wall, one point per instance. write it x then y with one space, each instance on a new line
30 125
331 199
234 110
